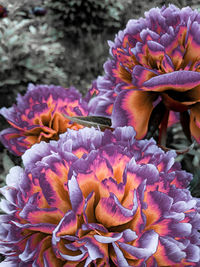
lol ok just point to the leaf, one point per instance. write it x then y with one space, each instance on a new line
155 119
9 81
32 29
13 40
31 76
7 162
91 121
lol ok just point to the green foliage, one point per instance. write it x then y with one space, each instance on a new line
76 16
84 59
6 165
86 25
28 53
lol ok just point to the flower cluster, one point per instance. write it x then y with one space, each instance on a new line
39 116
85 197
154 70
99 199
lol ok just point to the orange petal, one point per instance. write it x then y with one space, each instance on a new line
133 108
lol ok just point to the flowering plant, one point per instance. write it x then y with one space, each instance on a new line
103 199
154 71
39 115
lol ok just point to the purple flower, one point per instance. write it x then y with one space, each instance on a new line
154 71
38 116
3 12
99 199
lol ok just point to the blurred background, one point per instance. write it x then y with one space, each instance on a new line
64 42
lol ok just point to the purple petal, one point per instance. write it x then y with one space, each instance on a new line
75 195
108 239
178 80
121 260
148 245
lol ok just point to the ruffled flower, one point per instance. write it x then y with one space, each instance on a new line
154 71
38 116
99 199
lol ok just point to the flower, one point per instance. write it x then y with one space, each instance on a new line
155 69
3 11
38 116
97 198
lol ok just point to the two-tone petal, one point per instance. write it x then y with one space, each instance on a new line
39 116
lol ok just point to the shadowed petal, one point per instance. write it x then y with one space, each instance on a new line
133 108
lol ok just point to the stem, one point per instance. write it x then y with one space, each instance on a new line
185 123
163 129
